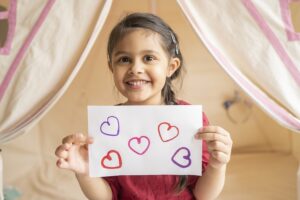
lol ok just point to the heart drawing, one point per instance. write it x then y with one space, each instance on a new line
167 132
182 157
139 145
112 160
111 127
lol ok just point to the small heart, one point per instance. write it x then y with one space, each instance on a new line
111 127
112 160
182 157
167 132
139 145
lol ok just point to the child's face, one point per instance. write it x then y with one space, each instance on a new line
140 66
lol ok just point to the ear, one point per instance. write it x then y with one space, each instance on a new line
173 66
110 66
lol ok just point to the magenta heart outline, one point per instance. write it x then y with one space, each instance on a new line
139 141
108 123
186 157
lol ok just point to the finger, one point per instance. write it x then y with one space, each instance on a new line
213 129
213 137
218 146
90 140
61 153
62 163
77 138
220 156
62 150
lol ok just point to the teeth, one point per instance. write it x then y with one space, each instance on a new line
137 83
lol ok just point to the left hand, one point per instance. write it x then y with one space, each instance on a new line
219 144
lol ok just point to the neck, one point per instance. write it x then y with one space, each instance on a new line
158 102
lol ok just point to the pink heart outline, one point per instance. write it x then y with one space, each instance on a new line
186 157
139 142
168 129
109 158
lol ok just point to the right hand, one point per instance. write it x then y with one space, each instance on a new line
73 153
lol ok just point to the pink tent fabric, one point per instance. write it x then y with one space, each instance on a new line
254 42
50 42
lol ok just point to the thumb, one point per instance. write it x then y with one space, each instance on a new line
89 140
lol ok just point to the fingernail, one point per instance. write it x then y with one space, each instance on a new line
90 140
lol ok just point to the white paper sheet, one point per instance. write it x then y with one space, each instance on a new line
144 140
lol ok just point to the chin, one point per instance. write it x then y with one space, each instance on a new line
137 101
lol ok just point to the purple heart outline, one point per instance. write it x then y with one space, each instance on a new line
105 123
186 157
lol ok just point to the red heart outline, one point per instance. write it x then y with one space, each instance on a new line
168 129
108 157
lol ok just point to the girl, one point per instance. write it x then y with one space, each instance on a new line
144 57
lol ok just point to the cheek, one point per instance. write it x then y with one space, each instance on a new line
118 73
118 78
160 74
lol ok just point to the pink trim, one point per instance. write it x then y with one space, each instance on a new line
257 94
287 61
261 98
12 13
10 133
13 67
4 14
292 35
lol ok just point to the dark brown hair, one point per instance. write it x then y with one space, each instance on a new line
170 44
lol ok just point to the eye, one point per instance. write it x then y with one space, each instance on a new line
123 60
149 58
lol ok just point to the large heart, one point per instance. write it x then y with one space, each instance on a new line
167 132
111 127
139 145
182 157
112 160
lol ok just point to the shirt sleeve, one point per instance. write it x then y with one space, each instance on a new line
205 157
114 186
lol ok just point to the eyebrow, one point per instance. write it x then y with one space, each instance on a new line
144 51
119 52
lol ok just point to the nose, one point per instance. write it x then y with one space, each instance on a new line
136 68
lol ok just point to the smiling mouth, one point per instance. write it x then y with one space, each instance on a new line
136 84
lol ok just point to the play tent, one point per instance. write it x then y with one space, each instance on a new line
242 59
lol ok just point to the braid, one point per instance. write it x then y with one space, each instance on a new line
182 182
170 99
168 94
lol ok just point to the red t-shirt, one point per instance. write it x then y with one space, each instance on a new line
156 187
